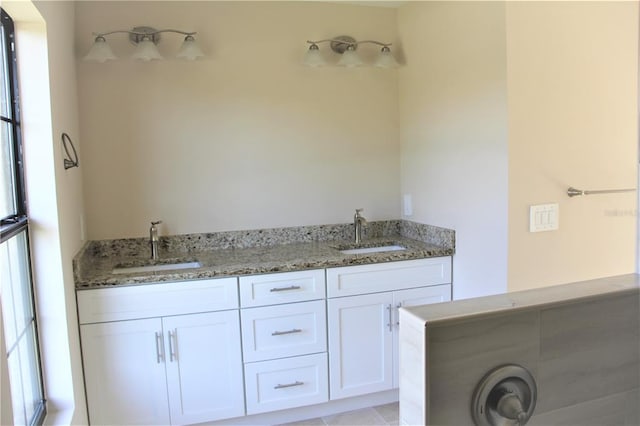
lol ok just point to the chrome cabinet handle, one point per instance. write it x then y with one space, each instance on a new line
398 314
289 385
281 333
293 287
390 323
173 345
159 347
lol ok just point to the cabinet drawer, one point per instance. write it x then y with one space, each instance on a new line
284 330
155 300
362 279
271 289
286 383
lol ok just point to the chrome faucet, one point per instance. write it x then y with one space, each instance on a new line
358 221
153 239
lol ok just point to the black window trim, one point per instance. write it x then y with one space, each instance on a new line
13 224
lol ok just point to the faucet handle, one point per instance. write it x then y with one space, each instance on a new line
157 222
358 211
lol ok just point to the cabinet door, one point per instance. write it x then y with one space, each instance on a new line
204 366
360 344
124 373
413 297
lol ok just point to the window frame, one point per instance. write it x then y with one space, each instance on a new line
18 222
13 224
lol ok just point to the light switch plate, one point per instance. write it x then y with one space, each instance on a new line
544 217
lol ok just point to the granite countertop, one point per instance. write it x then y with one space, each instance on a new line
94 265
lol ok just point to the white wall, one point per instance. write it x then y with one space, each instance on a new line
573 117
247 138
453 130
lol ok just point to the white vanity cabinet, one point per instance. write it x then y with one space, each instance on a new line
284 336
159 362
206 350
362 313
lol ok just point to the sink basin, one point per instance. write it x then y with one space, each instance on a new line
154 266
379 249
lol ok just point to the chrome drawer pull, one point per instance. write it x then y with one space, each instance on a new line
173 345
289 385
293 287
280 333
159 347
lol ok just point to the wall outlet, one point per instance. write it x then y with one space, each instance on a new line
543 217
407 205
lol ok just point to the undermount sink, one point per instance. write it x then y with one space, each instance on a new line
155 266
379 249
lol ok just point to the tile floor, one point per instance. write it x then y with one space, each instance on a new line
387 414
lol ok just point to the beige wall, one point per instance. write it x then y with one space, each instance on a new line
248 137
572 96
453 122
562 79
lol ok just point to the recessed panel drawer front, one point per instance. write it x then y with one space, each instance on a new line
286 383
390 276
156 300
287 287
283 330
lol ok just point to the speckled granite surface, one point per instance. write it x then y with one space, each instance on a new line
257 251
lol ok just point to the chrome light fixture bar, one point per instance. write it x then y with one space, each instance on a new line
145 39
346 46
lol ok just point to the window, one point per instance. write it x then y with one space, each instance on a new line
16 290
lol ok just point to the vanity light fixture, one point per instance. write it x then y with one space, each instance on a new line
346 46
145 39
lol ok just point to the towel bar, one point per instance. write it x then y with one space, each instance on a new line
572 192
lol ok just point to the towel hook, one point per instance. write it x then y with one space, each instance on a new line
69 160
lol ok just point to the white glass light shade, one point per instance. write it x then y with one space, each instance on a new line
313 57
385 59
100 51
350 58
146 50
190 49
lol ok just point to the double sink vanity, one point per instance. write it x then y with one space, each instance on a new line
235 324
